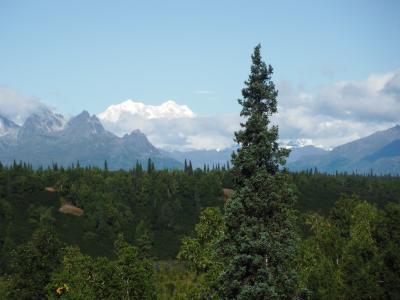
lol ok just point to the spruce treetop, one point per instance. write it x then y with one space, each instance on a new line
258 141
258 243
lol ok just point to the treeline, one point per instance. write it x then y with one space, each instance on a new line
144 220
352 253
319 191
162 205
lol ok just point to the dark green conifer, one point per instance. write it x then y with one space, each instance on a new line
138 169
143 239
150 166
258 243
190 168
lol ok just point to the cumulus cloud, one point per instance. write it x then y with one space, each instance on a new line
195 133
326 116
181 130
16 106
341 112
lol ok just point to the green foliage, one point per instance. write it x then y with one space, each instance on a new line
133 274
258 245
319 192
6 244
175 281
5 287
143 239
80 277
33 263
83 277
387 237
349 250
346 254
166 203
201 252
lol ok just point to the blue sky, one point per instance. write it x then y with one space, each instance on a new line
78 55
333 60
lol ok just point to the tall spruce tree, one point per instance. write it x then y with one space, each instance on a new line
259 239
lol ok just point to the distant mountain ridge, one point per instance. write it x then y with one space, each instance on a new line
199 158
301 152
46 138
7 126
378 152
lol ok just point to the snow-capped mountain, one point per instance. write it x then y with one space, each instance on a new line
84 124
46 138
42 122
169 110
379 152
138 140
299 152
7 126
297 143
214 157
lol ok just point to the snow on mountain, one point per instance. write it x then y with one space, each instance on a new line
298 143
84 124
169 110
44 121
7 126
47 137
378 152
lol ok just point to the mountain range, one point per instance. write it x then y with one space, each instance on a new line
47 137
378 152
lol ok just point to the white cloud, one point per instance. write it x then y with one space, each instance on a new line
170 125
168 110
340 112
17 106
327 116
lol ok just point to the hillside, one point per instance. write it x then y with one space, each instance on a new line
378 152
46 138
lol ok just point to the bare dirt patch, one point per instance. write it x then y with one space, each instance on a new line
227 193
70 209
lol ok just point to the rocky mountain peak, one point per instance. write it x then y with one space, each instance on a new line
85 123
7 126
43 122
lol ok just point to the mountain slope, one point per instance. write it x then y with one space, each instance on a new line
221 157
8 133
390 150
300 152
379 152
199 158
42 123
7 126
47 137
